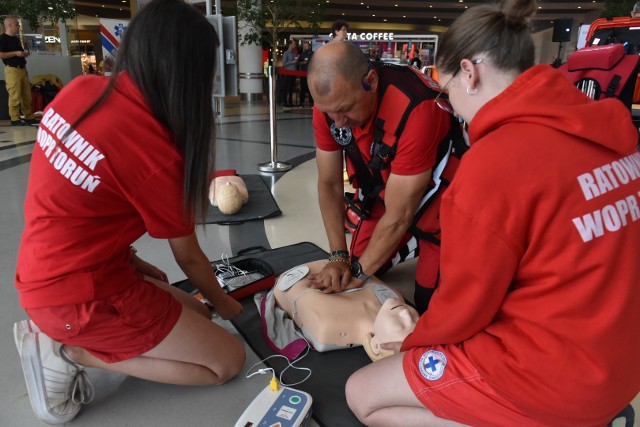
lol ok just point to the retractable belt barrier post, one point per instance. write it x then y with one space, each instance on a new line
274 165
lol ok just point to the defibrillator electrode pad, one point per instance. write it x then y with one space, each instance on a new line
291 277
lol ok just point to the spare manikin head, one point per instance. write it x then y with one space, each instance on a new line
228 193
229 199
394 322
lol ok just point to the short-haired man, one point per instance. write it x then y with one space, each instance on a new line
15 73
386 114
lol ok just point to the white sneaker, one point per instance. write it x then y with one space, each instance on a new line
20 328
57 386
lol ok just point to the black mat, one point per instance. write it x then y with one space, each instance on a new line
260 205
330 370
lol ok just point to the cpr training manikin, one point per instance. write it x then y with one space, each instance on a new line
367 316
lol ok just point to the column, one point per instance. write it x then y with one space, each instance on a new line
250 71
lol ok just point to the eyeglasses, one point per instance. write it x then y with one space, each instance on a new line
443 102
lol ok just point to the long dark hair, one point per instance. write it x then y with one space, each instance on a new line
169 50
498 31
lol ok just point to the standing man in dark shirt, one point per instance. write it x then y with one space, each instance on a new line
15 73
303 63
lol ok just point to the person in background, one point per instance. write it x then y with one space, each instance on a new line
16 77
415 62
536 319
290 62
340 31
116 158
303 63
373 55
635 12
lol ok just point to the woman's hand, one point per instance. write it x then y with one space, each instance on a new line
393 346
229 308
148 269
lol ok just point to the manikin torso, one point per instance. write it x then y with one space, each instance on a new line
333 321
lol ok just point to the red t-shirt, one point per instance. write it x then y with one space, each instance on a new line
416 152
117 176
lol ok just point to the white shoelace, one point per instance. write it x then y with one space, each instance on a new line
81 389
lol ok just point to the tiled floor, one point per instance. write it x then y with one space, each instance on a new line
243 141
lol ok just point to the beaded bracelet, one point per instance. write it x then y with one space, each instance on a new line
340 259
339 254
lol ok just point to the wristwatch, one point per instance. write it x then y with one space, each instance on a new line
356 271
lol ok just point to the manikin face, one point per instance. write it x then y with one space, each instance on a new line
394 322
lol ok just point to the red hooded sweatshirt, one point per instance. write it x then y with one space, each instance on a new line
540 263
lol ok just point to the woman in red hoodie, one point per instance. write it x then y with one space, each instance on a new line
536 319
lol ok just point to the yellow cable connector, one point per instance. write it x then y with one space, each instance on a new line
273 384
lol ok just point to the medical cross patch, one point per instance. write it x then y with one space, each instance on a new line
341 135
432 364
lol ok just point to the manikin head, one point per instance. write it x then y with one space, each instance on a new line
394 322
229 199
